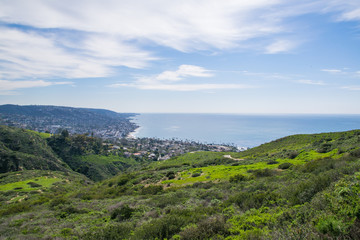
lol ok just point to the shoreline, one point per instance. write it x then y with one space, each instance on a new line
132 135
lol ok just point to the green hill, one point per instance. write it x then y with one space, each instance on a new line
25 150
297 187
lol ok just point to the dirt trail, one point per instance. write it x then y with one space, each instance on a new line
236 159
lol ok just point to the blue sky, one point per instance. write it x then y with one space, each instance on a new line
203 56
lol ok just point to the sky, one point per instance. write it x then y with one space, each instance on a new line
182 56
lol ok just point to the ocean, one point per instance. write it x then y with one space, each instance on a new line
236 129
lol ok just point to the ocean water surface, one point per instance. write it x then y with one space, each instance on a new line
238 130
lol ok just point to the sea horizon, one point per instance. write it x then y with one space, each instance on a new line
238 129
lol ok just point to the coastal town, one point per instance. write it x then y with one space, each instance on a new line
52 119
160 149
115 129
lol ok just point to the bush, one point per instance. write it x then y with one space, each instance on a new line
330 225
122 213
285 165
355 153
34 185
196 174
71 210
114 232
206 229
58 201
170 175
248 200
266 172
272 162
15 208
292 154
161 228
237 178
324 148
152 190
123 180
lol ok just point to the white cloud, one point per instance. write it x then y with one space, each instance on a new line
280 46
88 38
332 70
28 54
182 72
8 86
347 10
182 25
184 87
311 82
351 88
166 79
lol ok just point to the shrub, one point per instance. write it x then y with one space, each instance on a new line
324 148
71 210
170 175
196 174
355 153
114 232
285 165
292 154
272 162
248 200
34 185
123 180
266 172
330 225
161 228
237 178
123 213
152 189
15 208
58 201
206 229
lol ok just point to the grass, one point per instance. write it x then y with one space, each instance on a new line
41 134
313 155
224 172
24 186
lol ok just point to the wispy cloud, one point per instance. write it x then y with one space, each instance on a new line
333 71
7 87
81 39
280 46
348 10
25 54
167 80
311 82
352 88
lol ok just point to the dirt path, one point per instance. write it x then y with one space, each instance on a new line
236 159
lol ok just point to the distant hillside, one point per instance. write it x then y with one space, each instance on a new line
290 146
100 122
25 150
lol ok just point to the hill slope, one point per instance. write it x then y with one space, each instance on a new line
298 187
25 150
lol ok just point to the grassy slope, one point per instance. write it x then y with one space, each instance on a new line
22 149
317 197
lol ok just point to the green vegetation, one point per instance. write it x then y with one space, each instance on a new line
298 187
22 149
88 156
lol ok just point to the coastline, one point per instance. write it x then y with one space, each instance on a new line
132 135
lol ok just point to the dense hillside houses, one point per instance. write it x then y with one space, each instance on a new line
53 119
